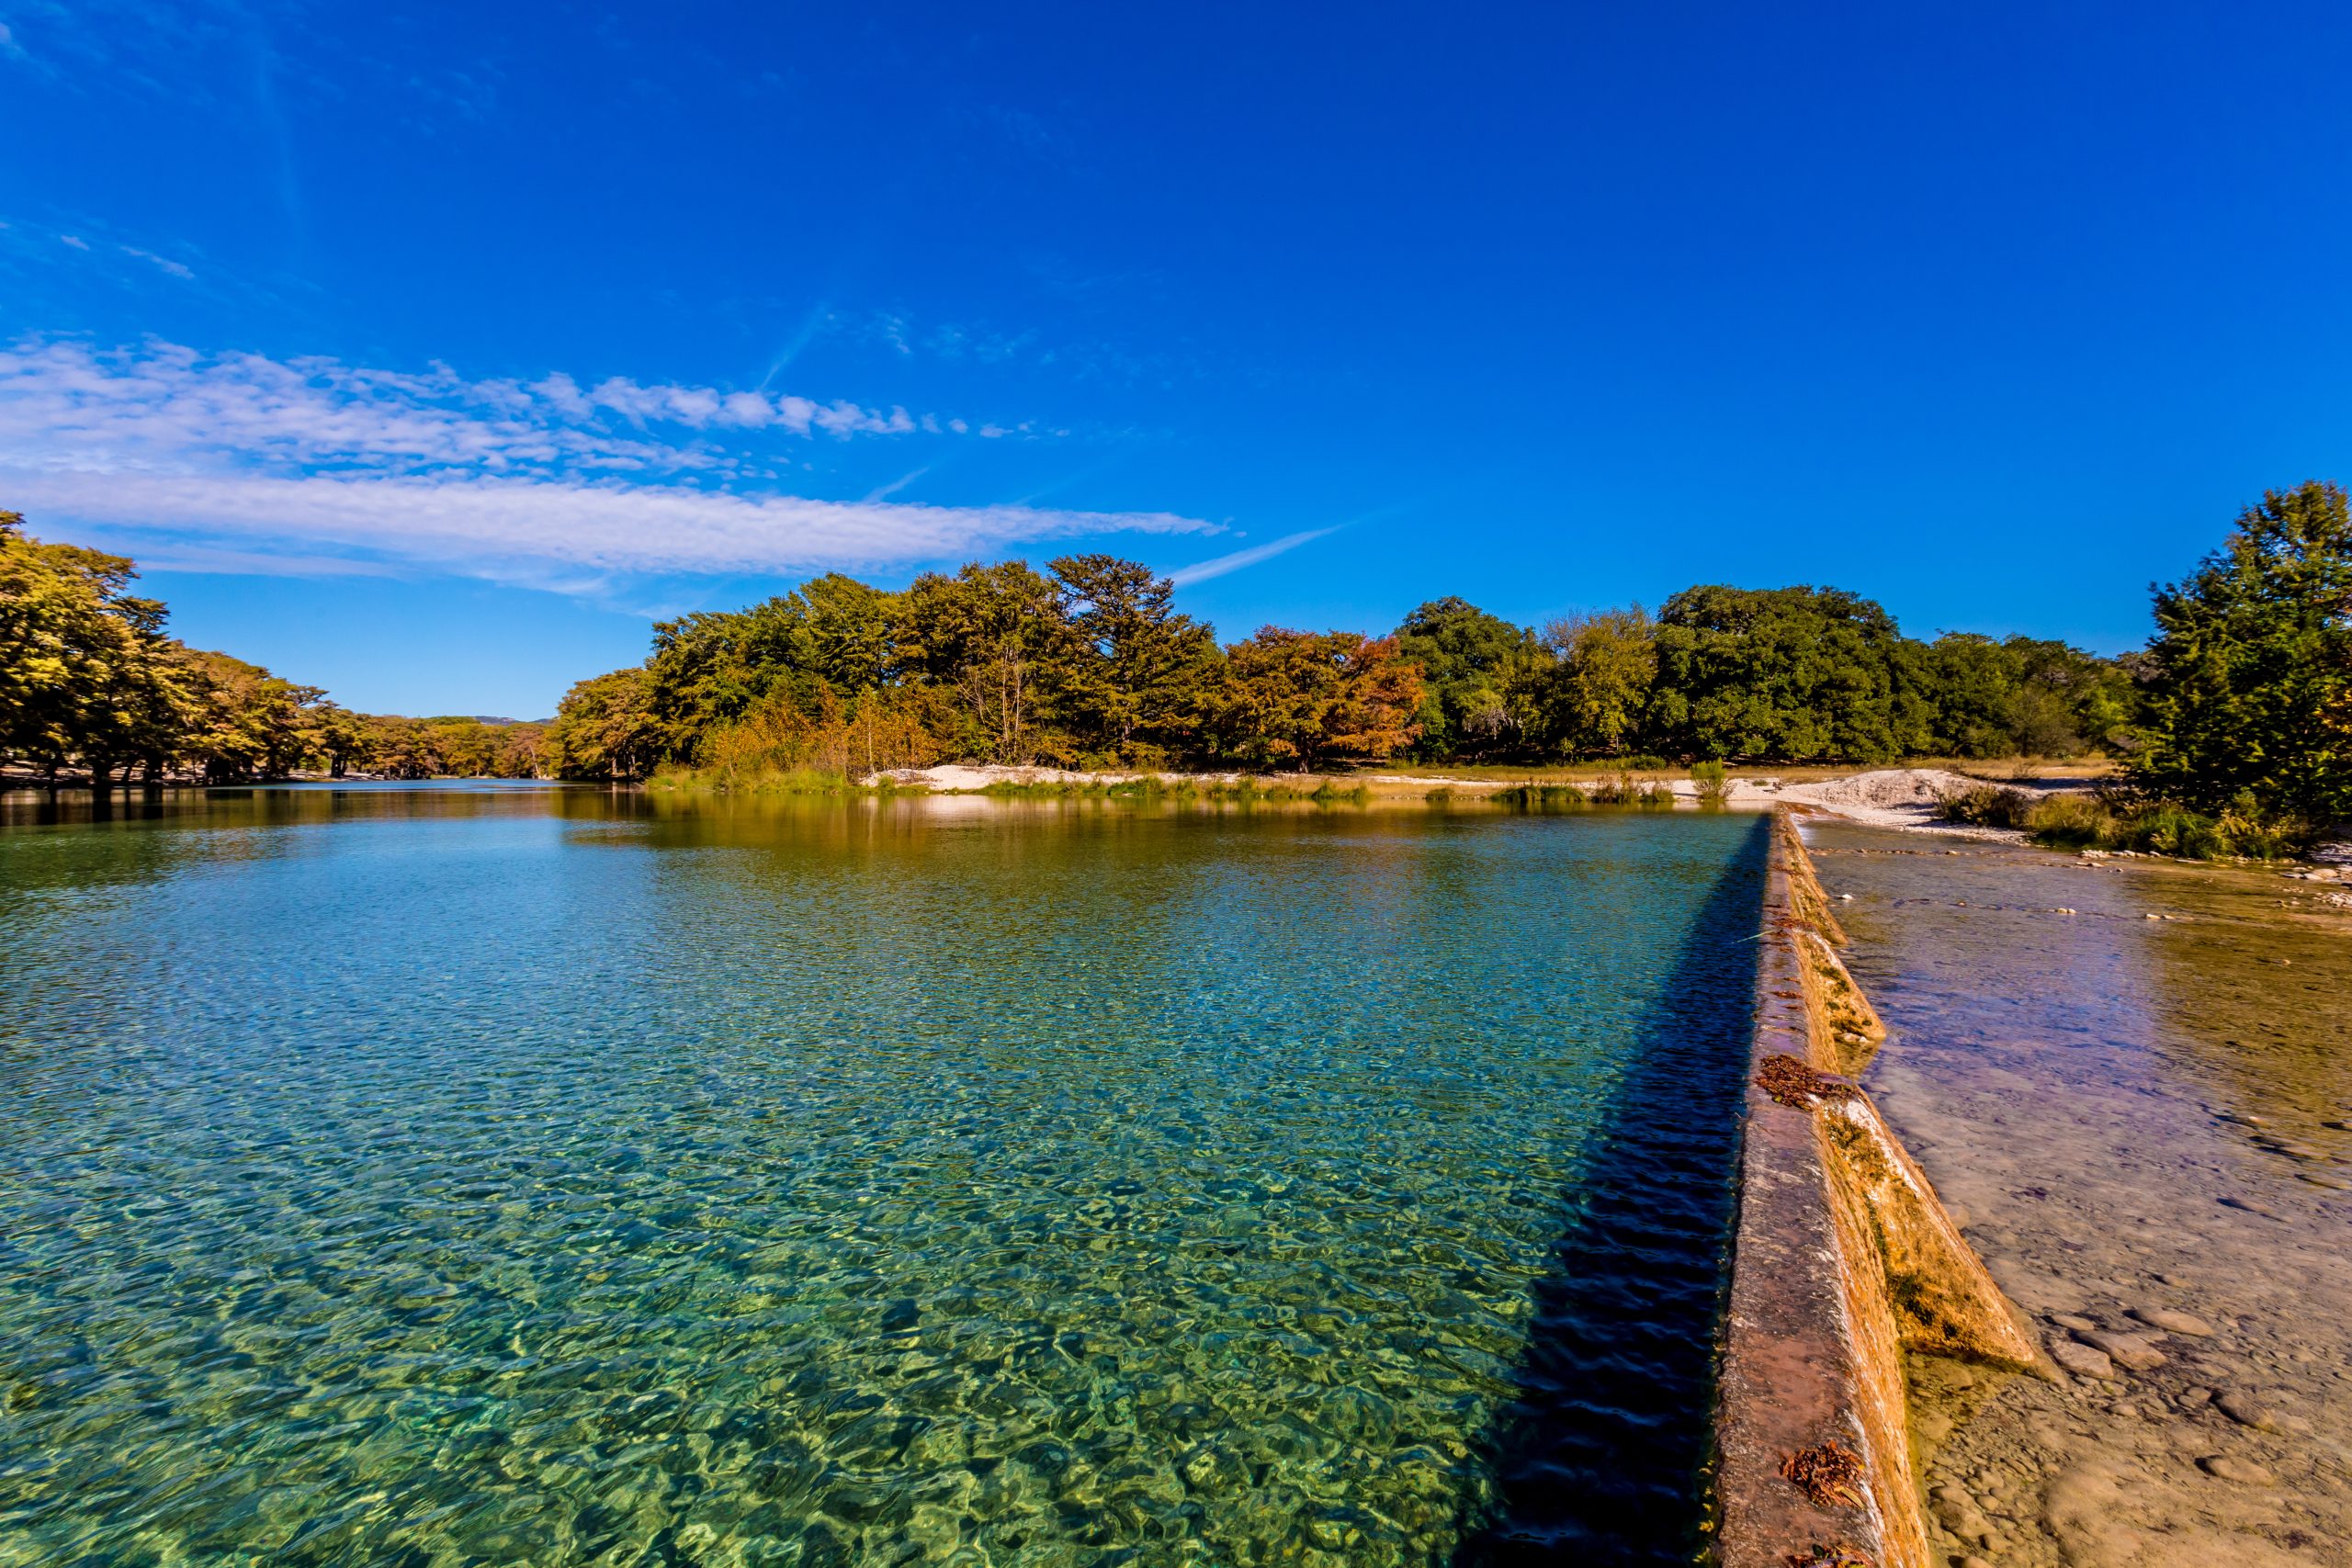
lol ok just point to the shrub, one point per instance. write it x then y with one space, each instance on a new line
1035 789
1542 797
2073 821
2111 820
1986 806
2245 829
1619 791
1714 783
1148 788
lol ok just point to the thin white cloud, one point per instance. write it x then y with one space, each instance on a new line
178 269
1219 565
313 460
495 527
883 492
209 561
67 403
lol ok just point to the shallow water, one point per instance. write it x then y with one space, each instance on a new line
444 1176
2130 1077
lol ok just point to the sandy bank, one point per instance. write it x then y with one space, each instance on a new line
1901 798
1884 798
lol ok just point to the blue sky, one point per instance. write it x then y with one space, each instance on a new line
427 357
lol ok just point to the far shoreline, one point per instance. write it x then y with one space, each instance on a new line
1904 799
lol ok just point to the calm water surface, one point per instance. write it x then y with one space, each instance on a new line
454 1176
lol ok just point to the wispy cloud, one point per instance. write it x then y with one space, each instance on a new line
541 479
1219 565
165 263
883 492
810 326
211 561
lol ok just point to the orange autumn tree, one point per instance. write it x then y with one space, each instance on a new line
1307 698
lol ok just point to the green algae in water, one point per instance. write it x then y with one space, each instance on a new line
454 1177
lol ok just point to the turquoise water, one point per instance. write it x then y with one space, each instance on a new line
452 1177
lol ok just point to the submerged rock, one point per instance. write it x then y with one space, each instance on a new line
2246 1411
2081 1359
2172 1322
2245 1472
2124 1350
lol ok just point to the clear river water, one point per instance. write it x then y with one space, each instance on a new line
474 1176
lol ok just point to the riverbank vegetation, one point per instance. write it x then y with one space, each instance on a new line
91 684
2244 738
2118 817
2232 727
1088 665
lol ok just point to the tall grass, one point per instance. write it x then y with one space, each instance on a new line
777 748
1533 796
739 779
1244 791
1714 783
1626 790
2114 820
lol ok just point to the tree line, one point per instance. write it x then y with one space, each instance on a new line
1088 664
91 684
2241 702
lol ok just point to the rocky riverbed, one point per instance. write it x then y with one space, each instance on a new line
2133 1081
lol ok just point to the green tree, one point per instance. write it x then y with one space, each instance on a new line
249 723
338 738
1604 663
1481 678
86 674
89 679
987 634
1132 675
2250 673
849 633
2025 696
710 668
606 729
1795 673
